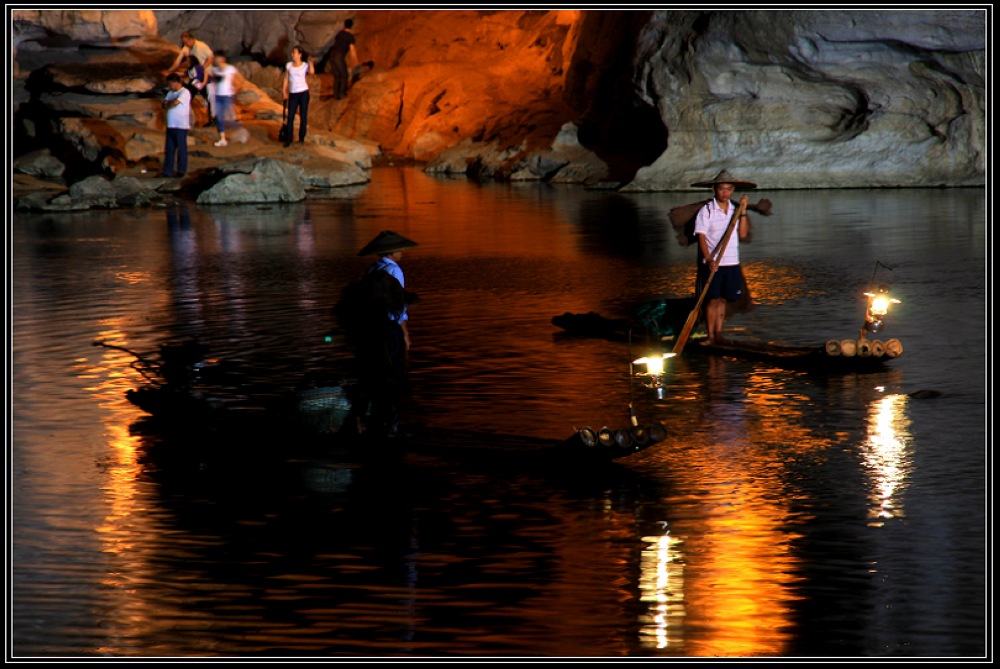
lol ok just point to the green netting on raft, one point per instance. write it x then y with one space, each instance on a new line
653 317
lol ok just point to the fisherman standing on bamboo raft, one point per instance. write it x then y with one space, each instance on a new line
374 312
710 228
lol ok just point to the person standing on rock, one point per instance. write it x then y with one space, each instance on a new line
225 89
710 227
201 54
178 105
343 46
296 92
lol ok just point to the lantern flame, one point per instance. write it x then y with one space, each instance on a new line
654 363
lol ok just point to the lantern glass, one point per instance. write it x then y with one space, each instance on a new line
880 305
654 363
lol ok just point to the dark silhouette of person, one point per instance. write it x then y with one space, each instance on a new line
373 312
343 46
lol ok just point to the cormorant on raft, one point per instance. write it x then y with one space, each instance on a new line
657 317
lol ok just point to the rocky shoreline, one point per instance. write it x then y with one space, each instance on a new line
103 131
631 101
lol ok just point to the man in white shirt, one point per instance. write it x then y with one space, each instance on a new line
178 105
710 228
203 56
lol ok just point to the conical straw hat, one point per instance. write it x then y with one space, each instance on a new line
385 242
724 177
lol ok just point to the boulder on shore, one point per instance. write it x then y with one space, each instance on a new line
255 180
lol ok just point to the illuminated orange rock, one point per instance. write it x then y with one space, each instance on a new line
654 100
440 77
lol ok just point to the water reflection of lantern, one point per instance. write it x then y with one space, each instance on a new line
661 586
887 456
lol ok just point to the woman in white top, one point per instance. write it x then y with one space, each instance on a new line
225 90
296 91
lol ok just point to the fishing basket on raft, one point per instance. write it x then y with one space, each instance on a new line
864 348
324 410
622 440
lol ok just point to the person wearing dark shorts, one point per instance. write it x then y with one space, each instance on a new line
710 228
727 283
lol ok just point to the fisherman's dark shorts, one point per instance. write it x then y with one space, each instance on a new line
727 282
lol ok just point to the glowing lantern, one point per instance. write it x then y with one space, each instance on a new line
654 367
878 307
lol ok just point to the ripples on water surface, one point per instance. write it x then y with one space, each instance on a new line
787 514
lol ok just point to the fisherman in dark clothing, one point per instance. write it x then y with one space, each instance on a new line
343 45
374 312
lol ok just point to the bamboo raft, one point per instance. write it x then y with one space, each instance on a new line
835 356
304 426
187 410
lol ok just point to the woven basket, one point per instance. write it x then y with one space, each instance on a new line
324 409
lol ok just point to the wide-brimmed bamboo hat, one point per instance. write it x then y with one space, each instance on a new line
387 241
724 177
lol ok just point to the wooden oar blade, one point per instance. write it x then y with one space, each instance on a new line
686 332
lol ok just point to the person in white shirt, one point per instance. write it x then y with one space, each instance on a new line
225 89
178 105
296 92
710 228
199 57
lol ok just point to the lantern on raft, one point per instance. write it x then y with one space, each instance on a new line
636 436
879 302
654 368
878 307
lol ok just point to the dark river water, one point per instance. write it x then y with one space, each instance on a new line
787 514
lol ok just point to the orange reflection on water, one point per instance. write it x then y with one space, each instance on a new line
124 520
739 569
114 377
886 456
775 283
729 566
133 278
411 207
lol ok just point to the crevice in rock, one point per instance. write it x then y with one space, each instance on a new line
35 126
615 123
399 112
398 58
434 109
853 122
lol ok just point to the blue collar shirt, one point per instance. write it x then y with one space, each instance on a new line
389 265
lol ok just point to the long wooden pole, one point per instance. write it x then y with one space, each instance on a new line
693 317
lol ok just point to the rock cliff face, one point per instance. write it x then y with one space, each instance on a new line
820 99
652 100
